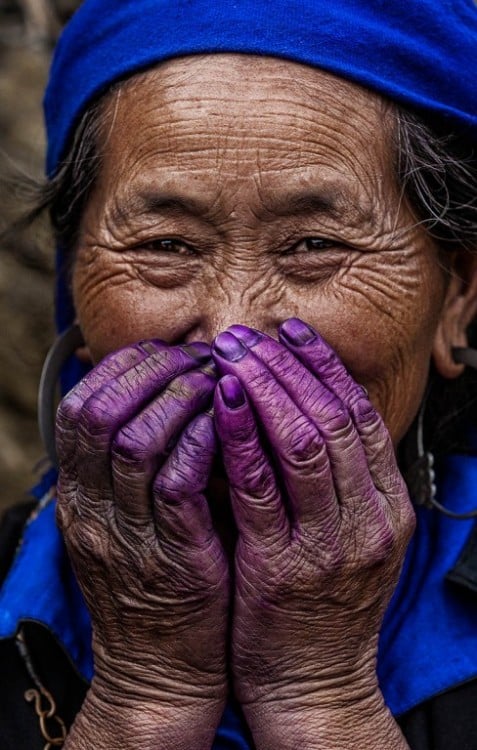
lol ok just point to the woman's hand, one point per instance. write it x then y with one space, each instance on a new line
135 450
324 519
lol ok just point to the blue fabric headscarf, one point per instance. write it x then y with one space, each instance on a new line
418 53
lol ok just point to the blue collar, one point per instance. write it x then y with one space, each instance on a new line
429 637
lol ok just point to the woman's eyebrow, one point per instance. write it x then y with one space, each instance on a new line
155 202
334 203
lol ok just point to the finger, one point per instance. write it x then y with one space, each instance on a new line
68 416
368 514
142 444
111 407
295 441
110 367
321 360
327 412
257 505
181 512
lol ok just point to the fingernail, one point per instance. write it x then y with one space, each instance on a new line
297 332
248 336
232 392
198 350
229 347
151 346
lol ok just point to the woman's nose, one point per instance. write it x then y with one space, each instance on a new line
217 315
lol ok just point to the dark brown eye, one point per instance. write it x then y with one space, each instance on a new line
167 245
317 243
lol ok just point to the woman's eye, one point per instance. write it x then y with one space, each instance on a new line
171 246
316 243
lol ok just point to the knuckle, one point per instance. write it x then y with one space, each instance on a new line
369 420
338 422
380 544
131 445
68 412
187 385
289 578
328 361
335 557
307 452
383 543
164 365
171 487
263 382
96 416
241 439
255 483
407 521
195 449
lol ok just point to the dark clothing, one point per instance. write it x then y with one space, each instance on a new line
446 722
19 722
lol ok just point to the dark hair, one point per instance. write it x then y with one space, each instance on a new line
436 168
65 195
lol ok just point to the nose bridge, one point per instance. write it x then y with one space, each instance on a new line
237 301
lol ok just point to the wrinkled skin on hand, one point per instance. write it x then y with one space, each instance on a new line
135 450
322 514
323 517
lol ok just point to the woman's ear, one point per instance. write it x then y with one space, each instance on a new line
459 309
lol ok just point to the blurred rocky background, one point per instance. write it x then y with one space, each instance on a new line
28 31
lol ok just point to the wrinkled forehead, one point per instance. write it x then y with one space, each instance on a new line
200 121
416 53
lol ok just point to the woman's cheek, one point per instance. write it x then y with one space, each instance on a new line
388 353
395 378
117 305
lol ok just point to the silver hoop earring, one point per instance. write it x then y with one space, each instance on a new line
421 477
64 346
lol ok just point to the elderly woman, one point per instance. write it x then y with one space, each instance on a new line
265 216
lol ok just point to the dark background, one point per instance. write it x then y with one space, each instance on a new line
28 30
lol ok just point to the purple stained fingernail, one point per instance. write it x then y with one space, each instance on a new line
248 336
232 391
151 346
229 347
198 350
296 332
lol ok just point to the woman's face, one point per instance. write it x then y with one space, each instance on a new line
239 189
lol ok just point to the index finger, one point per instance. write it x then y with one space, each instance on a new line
322 361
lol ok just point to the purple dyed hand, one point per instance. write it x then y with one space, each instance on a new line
323 517
136 449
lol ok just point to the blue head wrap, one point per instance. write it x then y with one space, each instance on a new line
419 53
